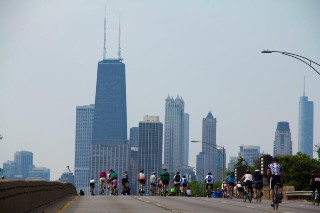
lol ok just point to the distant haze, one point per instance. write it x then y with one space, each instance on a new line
208 52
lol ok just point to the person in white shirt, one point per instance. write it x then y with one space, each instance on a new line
248 180
209 183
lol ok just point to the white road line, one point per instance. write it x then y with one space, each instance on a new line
158 204
146 201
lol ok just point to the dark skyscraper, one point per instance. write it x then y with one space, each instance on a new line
110 149
305 139
110 115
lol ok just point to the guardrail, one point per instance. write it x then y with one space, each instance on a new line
299 195
23 196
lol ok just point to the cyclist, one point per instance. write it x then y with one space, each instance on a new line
177 183
248 180
164 177
209 183
153 183
159 185
230 180
125 183
258 181
92 183
315 181
103 181
108 178
224 188
115 186
275 174
239 189
142 181
112 176
184 183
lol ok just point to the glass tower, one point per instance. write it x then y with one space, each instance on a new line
174 137
24 162
110 116
282 143
84 121
209 128
305 138
150 146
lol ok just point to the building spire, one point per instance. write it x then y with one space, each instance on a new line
119 48
105 29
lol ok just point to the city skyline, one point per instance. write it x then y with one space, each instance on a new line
207 51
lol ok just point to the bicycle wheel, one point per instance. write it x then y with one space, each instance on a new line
249 195
244 196
259 195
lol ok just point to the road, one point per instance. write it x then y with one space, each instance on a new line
179 204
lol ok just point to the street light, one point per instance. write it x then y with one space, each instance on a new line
215 147
305 60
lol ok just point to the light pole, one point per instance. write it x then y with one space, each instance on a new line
215 147
305 60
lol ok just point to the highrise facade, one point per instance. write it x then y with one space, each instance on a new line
110 149
134 136
220 160
39 173
282 144
24 163
150 146
209 146
174 136
83 143
185 146
250 153
305 137
202 165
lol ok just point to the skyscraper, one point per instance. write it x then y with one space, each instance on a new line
305 138
250 153
134 136
209 147
185 146
174 137
282 144
202 166
83 143
24 163
150 146
110 149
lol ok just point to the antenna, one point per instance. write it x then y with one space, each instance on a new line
105 29
119 48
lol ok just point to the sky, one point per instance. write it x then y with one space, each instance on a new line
207 51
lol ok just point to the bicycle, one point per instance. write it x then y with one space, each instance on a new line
247 195
141 189
164 189
259 193
209 190
102 185
231 195
153 189
316 197
276 196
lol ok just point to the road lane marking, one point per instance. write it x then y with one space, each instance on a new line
68 204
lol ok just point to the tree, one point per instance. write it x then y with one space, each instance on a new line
197 188
297 170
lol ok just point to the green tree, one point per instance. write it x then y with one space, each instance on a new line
197 188
297 170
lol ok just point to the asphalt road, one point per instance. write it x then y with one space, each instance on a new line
180 204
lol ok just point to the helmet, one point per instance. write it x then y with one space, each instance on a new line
154 173
183 176
177 173
275 159
239 182
209 173
248 172
165 169
257 170
141 170
125 172
232 172
111 170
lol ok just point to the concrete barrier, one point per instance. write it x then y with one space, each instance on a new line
24 196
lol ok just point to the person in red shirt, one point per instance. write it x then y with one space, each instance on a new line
103 180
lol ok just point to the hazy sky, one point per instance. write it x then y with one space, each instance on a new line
208 52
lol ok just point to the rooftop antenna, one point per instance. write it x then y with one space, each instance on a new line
119 48
105 29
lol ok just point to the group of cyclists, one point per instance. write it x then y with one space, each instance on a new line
249 184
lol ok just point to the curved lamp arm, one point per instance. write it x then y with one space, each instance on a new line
305 60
